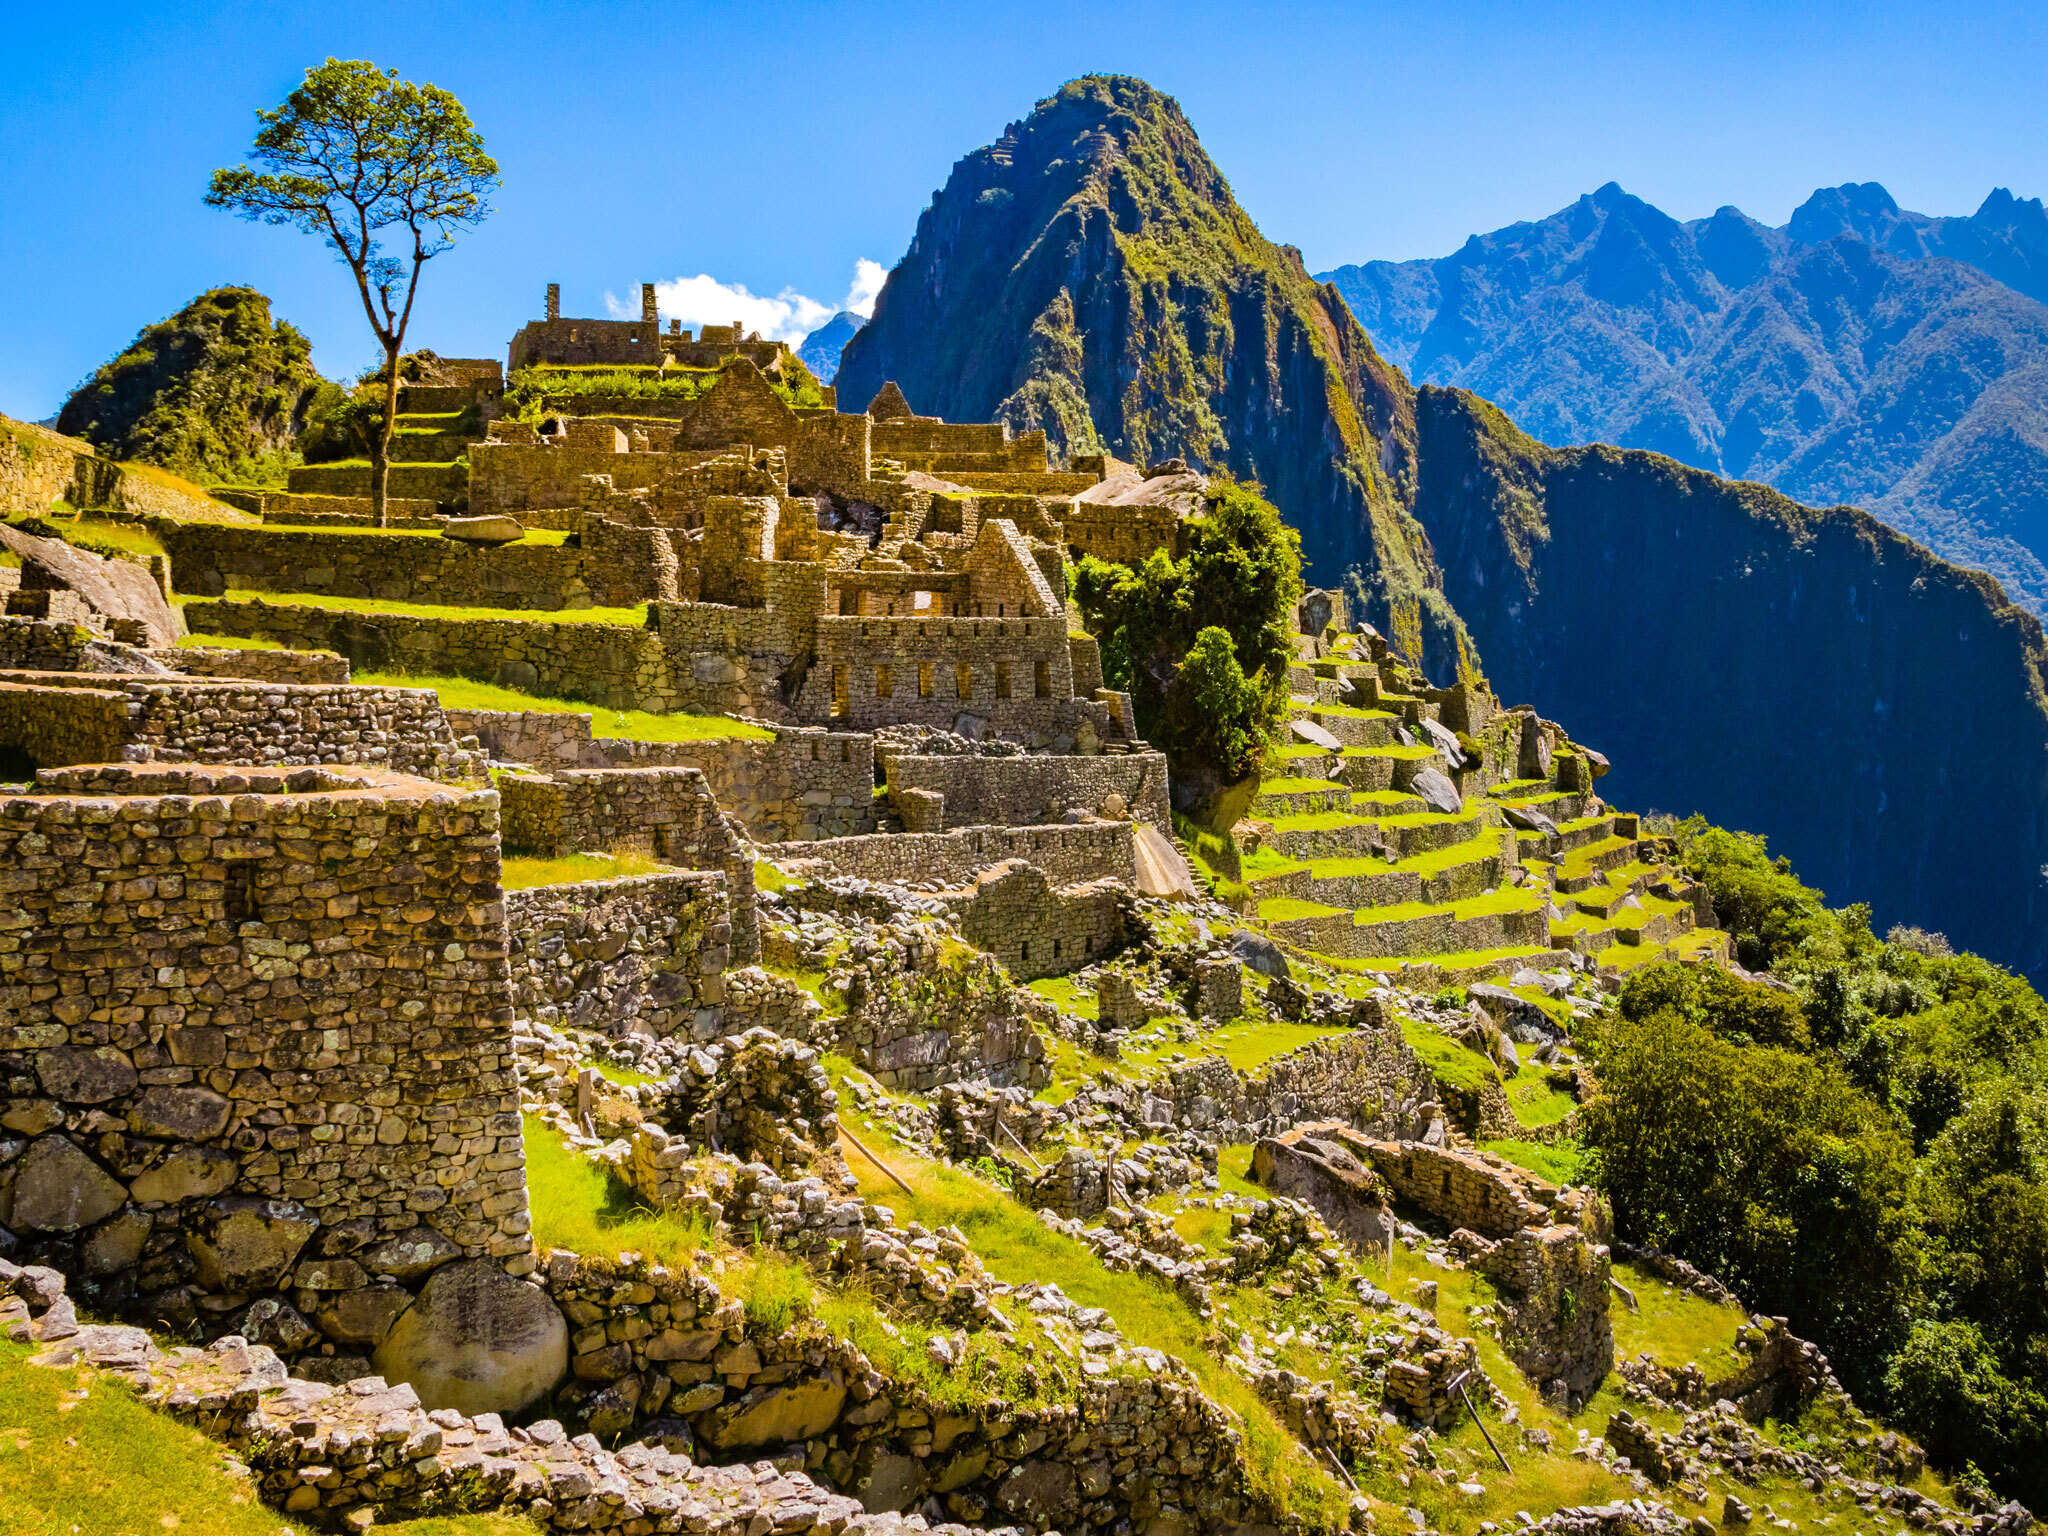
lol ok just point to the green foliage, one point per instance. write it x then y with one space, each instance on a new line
341 424
777 1293
1203 643
356 155
1767 1168
214 392
1868 1155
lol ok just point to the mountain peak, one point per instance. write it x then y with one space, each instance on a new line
1861 208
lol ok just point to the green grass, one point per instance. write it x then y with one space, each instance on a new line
635 618
1263 861
575 1204
1065 996
1016 1248
630 724
1286 786
552 536
1535 1100
1492 904
1452 1063
228 643
1250 1043
524 873
1282 909
1560 1162
769 877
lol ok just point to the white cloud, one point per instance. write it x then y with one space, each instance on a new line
867 282
788 316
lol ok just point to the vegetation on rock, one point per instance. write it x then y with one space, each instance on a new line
216 392
1090 274
1202 643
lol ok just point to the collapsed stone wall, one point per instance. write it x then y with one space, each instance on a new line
57 720
804 784
259 1069
923 1009
256 665
667 812
1367 1072
43 645
643 954
1065 854
1026 791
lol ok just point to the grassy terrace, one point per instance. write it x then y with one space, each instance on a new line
1016 1248
629 724
636 617
79 1453
525 873
1493 903
367 530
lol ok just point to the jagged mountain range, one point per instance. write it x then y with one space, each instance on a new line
820 350
1860 354
1811 675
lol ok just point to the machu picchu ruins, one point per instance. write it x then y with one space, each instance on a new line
696 962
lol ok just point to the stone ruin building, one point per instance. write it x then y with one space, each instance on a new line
270 1016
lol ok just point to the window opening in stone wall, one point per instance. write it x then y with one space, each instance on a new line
1055 949
839 690
885 681
1041 679
920 602
924 679
239 895
1002 679
963 680
1024 950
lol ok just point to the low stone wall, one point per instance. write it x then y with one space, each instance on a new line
209 558
1065 854
668 812
1463 1189
1367 1073
1038 788
638 955
256 665
925 1009
689 657
803 785
263 1054
40 645
203 720
1326 1174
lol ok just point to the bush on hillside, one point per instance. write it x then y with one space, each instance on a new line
1202 643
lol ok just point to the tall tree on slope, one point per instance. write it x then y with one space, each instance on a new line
353 152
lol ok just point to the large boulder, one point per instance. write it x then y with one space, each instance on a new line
1314 735
476 1340
494 529
1438 792
113 589
778 1415
58 1188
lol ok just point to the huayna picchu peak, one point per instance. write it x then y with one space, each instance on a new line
636 936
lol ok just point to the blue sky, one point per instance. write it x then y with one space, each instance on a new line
777 146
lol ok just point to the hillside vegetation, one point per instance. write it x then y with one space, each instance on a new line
215 392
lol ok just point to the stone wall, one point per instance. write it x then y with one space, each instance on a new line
1027 791
1463 1189
1037 929
639 955
686 658
515 478
1066 854
1013 674
805 784
260 1044
202 720
1367 1073
38 466
668 812
256 665
209 558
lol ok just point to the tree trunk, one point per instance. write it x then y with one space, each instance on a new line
380 454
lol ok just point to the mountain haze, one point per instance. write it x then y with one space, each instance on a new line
1860 354
1090 274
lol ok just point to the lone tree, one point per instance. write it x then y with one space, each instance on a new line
354 152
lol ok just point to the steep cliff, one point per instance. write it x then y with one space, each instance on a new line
1879 713
205 392
1091 274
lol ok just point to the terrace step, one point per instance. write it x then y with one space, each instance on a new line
1355 728
1299 797
1487 922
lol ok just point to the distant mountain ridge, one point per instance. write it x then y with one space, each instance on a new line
820 350
1861 354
